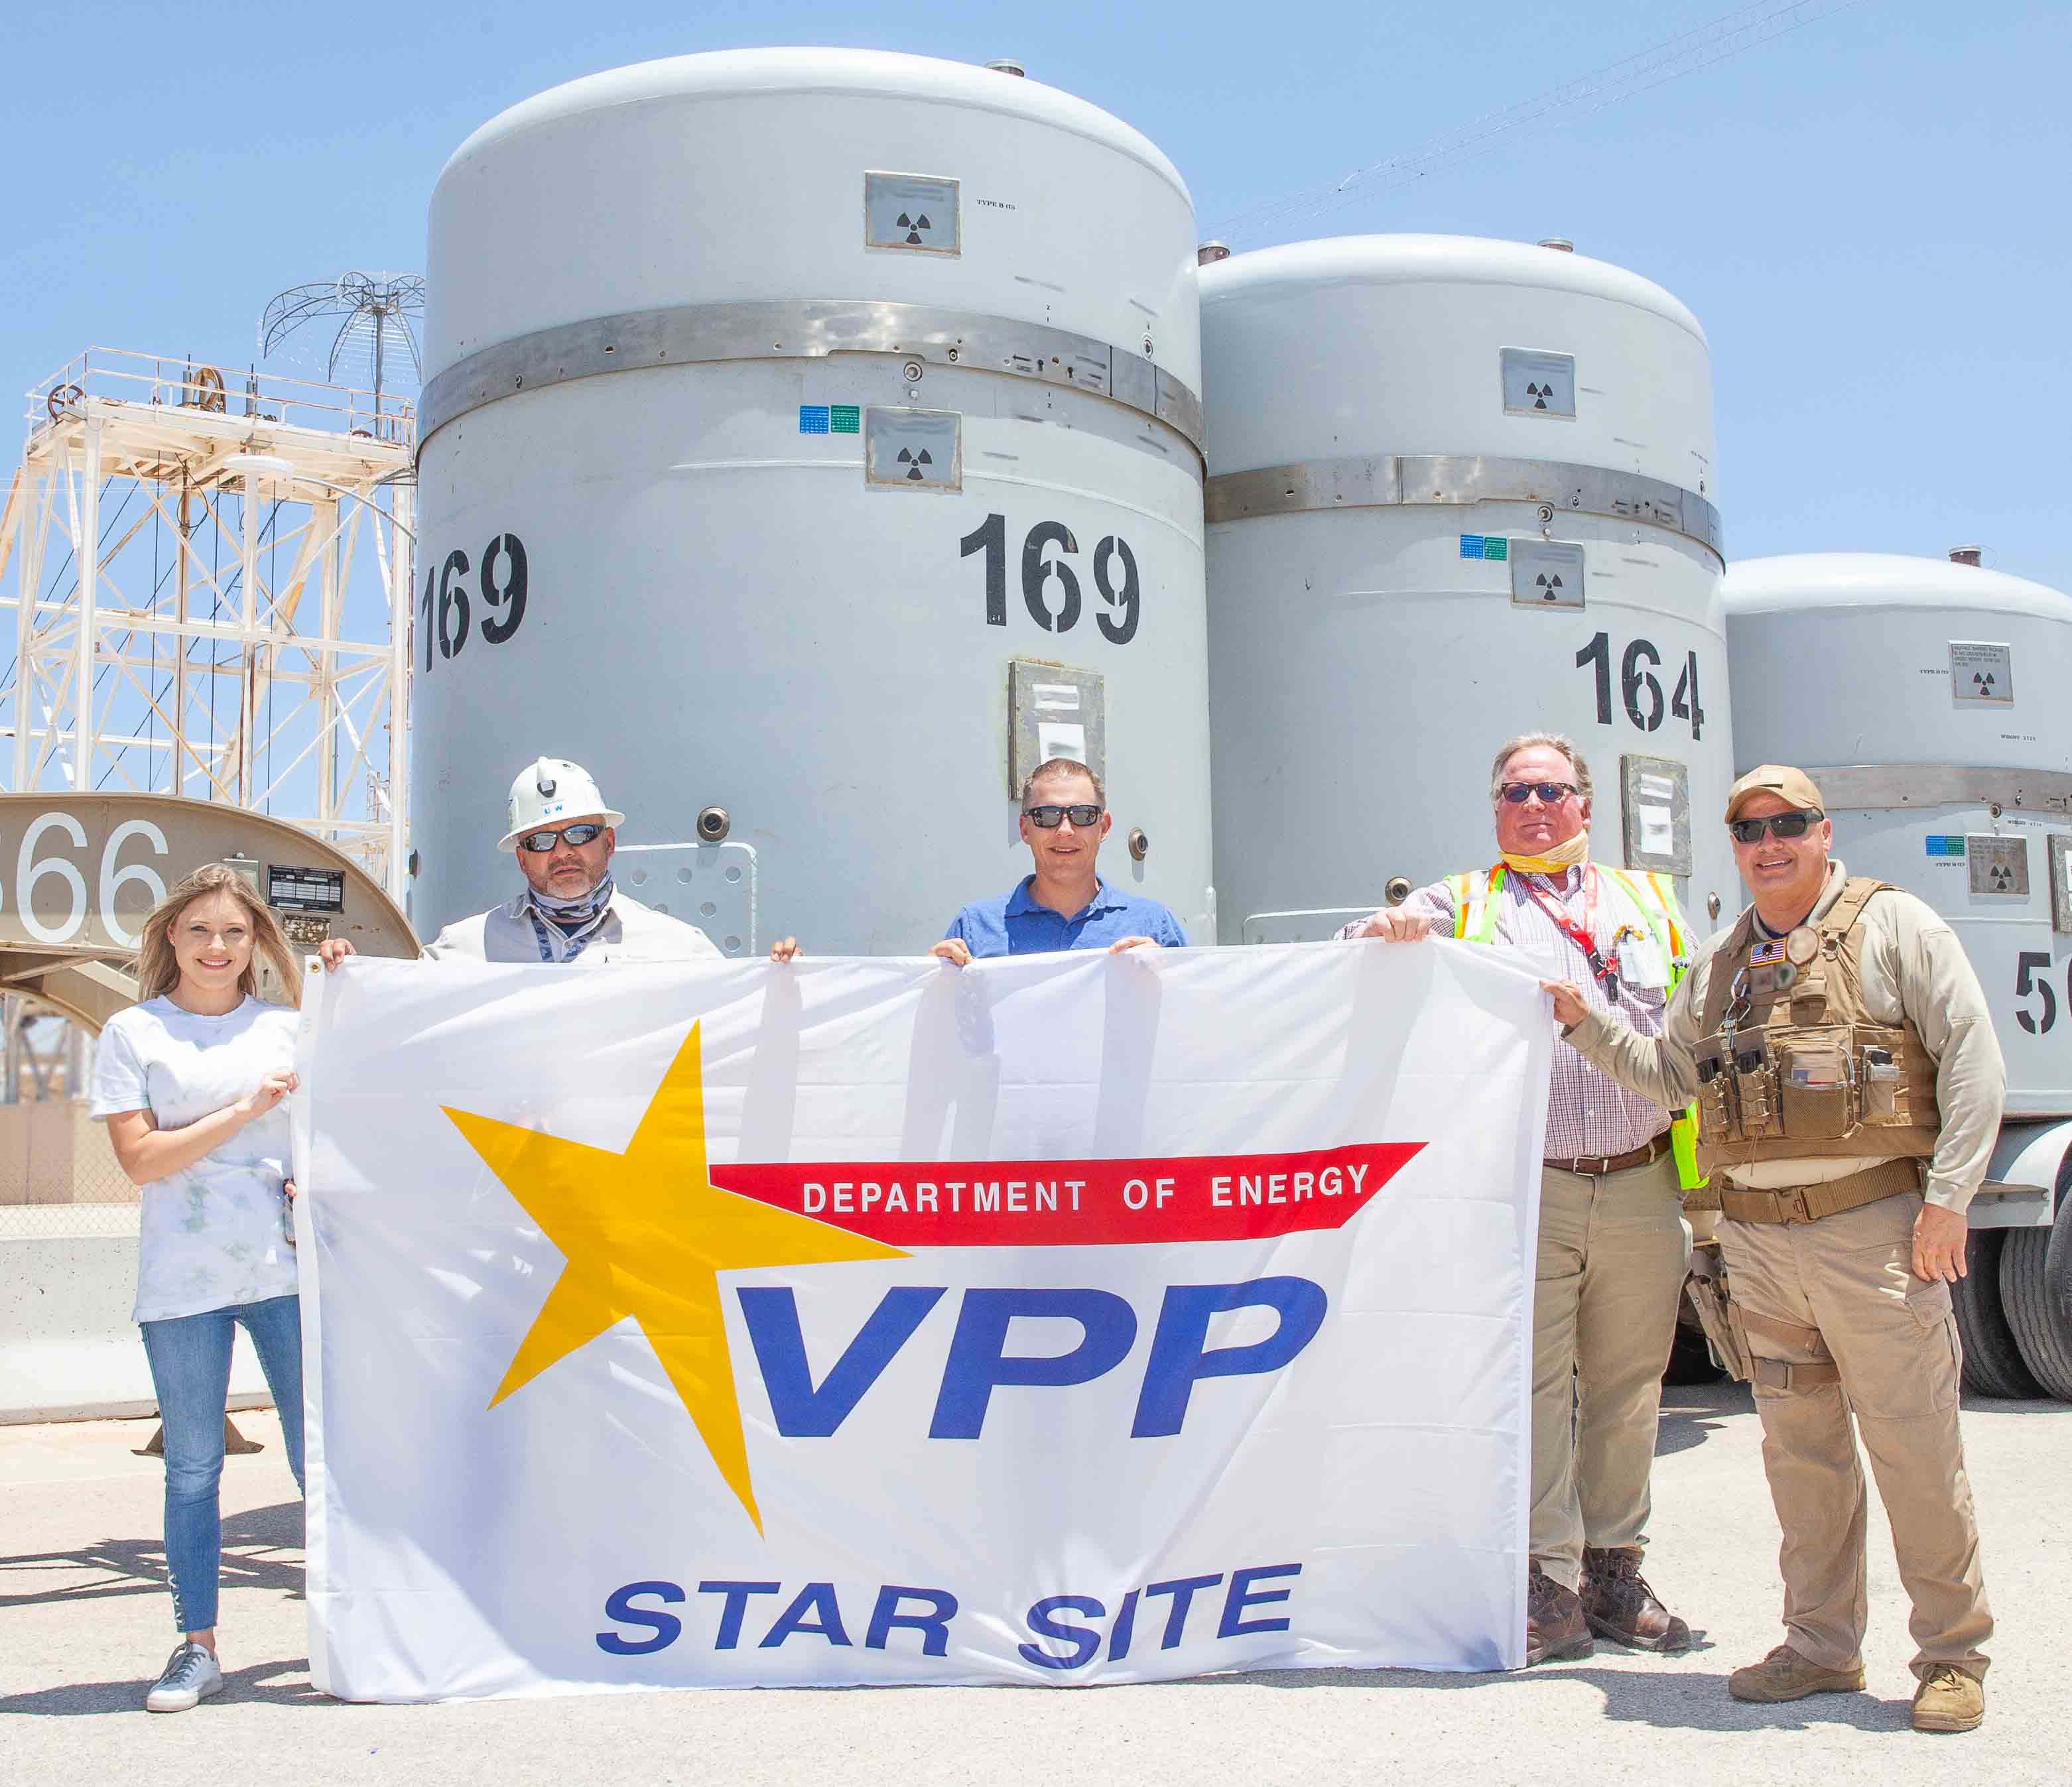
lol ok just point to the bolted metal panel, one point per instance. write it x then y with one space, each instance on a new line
1053 711
2059 844
1299 927
1390 479
807 329
710 885
1873 787
1655 795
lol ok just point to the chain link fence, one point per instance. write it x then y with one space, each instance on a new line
58 1175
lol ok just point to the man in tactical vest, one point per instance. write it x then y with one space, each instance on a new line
1612 1245
1838 1045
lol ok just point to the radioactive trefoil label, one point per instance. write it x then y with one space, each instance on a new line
1538 384
1546 573
915 211
1981 674
914 449
1998 865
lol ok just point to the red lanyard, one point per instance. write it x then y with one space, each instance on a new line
1583 935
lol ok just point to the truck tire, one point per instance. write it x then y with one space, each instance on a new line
2036 1291
1993 1364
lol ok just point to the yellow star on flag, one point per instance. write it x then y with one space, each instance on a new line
646 1234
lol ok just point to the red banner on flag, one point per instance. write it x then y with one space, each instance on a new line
1077 1203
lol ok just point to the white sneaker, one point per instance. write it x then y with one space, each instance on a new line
192 1676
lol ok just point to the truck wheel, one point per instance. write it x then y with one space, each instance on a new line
1993 1365
2036 1291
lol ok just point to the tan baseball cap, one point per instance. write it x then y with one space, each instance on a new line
1781 779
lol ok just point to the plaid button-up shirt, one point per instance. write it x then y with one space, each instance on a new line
1589 1114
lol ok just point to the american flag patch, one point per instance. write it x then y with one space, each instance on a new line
1766 953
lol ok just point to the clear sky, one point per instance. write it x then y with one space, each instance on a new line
1870 215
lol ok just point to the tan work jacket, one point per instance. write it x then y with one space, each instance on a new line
1913 968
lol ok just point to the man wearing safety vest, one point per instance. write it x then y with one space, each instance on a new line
1613 1246
1849 1090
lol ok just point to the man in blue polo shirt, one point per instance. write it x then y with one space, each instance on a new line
1065 904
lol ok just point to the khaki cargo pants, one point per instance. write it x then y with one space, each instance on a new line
1612 1252
1895 1341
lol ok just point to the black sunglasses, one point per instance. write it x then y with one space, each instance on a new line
1046 818
540 843
1551 793
1784 825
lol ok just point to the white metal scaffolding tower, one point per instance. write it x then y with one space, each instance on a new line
211 597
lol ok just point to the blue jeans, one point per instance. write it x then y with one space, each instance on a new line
189 1358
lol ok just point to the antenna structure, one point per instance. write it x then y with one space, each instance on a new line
373 311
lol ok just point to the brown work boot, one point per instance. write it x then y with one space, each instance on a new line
1554 1623
1620 1606
1786 1675
1949 1700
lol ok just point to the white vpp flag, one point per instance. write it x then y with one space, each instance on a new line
1059 1319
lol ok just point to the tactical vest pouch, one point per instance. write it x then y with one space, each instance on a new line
1760 1111
1717 1114
1816 1070
1882 1086
1896 1081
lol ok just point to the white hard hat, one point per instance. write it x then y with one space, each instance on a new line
550 791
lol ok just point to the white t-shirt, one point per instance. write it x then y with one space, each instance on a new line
209 1236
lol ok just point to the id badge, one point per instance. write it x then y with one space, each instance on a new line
1643 963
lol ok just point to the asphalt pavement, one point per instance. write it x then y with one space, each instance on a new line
85 1623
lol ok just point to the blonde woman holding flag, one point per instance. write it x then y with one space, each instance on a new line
192 1082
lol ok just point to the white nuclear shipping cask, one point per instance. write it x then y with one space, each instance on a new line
1459 489
1929 701
811 443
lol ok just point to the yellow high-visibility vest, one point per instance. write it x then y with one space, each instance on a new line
1476 898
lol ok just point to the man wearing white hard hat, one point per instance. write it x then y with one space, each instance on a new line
570 909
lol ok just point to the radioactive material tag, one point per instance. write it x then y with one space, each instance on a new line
1998 865
1538 384
1981 674
1546 573
915 211
914 449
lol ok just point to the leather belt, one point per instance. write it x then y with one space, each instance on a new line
1595 1166
1810 1203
